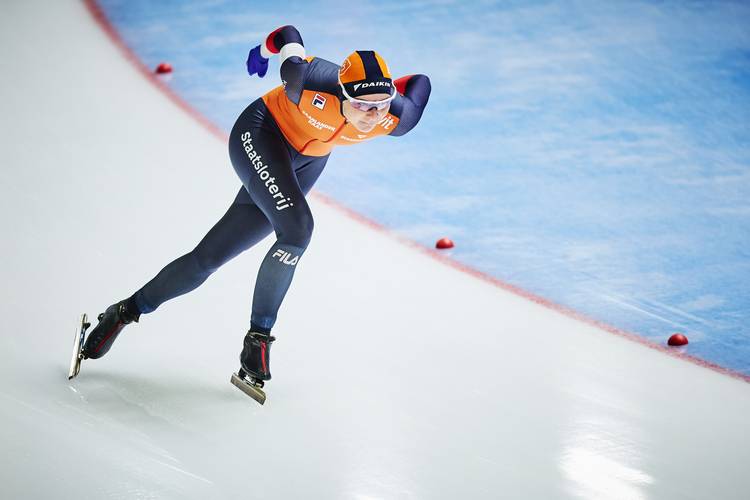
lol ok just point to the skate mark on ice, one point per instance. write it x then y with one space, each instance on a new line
194 476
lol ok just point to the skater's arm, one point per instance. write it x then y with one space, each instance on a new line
287 42
414 92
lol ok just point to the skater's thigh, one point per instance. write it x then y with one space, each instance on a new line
309 172
242 226
261 160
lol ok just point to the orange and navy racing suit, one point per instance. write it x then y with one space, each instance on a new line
278 147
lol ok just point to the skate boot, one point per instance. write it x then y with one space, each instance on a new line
111 323
255 367
255 356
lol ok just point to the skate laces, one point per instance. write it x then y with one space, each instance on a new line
261 337
125 315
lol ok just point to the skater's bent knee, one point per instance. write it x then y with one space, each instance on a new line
298 233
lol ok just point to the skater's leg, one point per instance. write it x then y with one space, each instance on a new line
309 171
262 162
241 227
255 356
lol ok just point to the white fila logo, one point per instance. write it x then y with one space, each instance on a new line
319 101
386 122
284 257
361 135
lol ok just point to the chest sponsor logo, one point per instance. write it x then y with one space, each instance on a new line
319 101
350 139
386 122
317 123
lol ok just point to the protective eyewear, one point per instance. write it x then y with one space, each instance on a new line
363 105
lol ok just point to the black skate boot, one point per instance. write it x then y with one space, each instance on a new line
255 356
111 323
256 366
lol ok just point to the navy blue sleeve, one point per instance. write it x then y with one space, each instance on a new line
410 106
293 73
293 66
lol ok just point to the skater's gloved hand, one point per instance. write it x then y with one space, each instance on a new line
256 63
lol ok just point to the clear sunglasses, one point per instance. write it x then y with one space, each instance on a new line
363 105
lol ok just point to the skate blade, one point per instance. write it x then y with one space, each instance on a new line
248 388
75 361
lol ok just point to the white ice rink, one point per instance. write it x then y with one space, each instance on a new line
395 376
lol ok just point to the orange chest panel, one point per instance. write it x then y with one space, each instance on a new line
316 125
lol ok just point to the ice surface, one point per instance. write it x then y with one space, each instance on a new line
394 376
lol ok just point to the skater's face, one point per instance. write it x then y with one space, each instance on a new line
365 120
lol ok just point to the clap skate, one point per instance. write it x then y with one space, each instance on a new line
100 339
255 366
75 362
